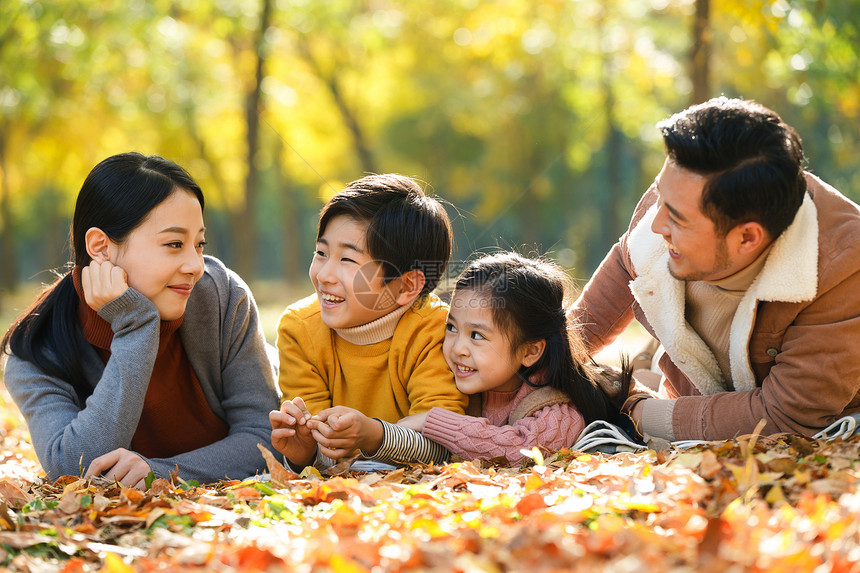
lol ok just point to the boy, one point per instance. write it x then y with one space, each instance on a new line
367 346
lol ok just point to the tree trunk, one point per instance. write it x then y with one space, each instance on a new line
700 57
291 225
611 229
8 264
245 231
359 140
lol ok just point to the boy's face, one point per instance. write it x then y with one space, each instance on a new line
348 282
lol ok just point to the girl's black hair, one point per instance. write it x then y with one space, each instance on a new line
526 298
116 197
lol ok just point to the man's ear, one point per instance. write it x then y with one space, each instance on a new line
98 244
533 352
411 284
751 237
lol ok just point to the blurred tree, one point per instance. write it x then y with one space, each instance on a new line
245 229
700 56
535 118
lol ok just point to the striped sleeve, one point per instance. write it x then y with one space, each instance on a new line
402 445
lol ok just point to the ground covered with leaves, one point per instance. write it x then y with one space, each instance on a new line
778 503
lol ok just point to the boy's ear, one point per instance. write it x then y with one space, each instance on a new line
533 351
411 284
98 244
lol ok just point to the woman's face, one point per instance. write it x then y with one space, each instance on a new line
163 256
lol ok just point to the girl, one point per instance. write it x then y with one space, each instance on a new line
507 343
147 356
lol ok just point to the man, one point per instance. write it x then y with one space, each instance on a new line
747 270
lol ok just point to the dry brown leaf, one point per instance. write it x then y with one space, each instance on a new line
12 495
280 474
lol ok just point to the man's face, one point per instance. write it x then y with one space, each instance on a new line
696 250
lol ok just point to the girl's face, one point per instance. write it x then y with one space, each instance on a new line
477 352
163 256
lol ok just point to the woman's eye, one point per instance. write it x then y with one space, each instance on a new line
450 327
175 244
201 245
319 254
477 336
347 260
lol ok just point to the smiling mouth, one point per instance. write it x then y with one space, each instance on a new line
464 369
182 289
672 250
330 298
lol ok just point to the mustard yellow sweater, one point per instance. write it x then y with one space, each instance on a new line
403 375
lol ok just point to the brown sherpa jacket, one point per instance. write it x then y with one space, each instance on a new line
795 338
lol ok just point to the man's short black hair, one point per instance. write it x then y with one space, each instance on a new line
406 229
752 160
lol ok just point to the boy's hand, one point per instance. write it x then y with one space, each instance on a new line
291 434
339 431
414 422
121 465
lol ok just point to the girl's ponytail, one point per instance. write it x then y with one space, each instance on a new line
47 334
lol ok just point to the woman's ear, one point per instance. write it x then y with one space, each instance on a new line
98 244
411 284
532 351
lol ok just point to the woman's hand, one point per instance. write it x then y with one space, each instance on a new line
121 465
102 283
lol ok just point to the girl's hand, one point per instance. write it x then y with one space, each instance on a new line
102 283
121 465
290 432
413 422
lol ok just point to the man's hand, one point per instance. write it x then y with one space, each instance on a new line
339 431
291 434
102 283
121 465
413 422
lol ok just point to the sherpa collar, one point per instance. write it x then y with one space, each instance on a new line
790 274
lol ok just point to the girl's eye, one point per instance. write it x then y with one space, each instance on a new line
201 245
175 244
347 260
477 335
319 254
450 327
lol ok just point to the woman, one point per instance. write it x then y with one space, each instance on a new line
147 356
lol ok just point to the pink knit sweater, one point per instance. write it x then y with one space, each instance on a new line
553 427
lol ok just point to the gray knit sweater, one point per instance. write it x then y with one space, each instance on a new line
224 342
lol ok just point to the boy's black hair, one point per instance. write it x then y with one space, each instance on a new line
406 229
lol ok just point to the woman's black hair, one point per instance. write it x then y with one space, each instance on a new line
526 300
116 197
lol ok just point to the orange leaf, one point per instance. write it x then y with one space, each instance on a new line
251 558
530 503
280 474
131 496
246 493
